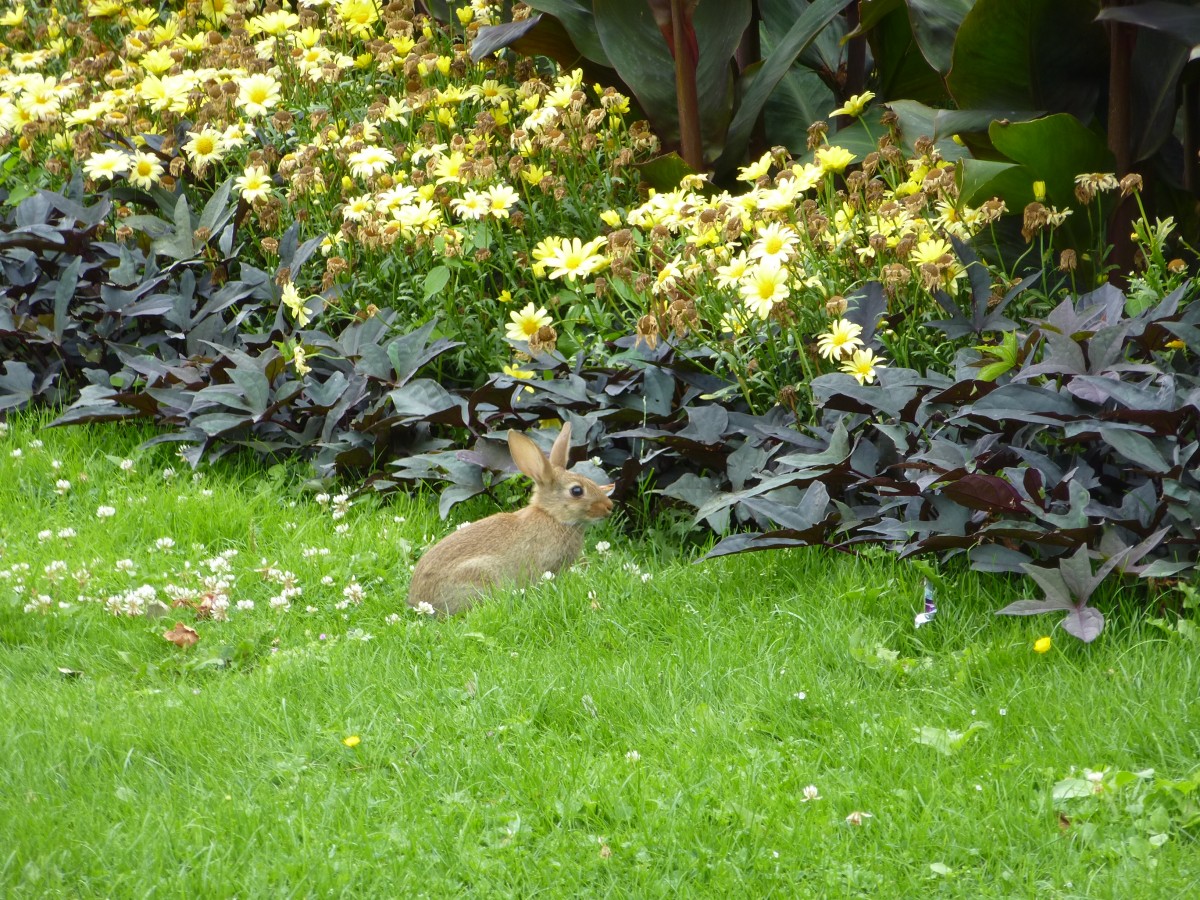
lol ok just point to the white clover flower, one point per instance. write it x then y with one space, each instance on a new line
633 756
811 793
603 546
105 512
126 465
164 543
45 534
425 609
66 533
245 604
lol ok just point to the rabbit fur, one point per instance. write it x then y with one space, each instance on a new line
514 549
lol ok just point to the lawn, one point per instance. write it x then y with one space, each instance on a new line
767 724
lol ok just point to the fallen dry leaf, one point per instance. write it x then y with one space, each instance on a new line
181 635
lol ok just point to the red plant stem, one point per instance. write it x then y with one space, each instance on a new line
1120 56
690 146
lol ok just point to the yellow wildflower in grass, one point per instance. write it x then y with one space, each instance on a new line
833 159
167 92
473 205
514 372
370 161
12 18
142 18
542 251
609 217
755 170
1041 645
276 23
257 94
447 169
520 375
357 208
763 286
841 338
206 146
296 305
527 322
157 61
352 741
775 241
575 259
732 273
254 183
423 217
501 198
358 16
862 365
145 170
300 361
106 164
854 106
103 9
930 251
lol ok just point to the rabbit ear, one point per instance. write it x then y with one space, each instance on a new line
561 451
529 457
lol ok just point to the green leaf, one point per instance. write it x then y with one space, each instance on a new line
218 210
438 278
64 293
663 173
947 741
1071 789
1055 149
579 21
1030 54
901 69
774 68
935 25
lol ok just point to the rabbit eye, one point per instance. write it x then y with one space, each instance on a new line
576 490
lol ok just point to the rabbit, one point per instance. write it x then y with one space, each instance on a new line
514 549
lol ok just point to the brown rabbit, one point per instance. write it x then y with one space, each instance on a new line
514 548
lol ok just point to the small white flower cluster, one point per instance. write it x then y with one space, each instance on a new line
352 593
41 603
310 552
339 504
63 534
132 602
289 587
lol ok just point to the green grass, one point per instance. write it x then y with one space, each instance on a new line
652 744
